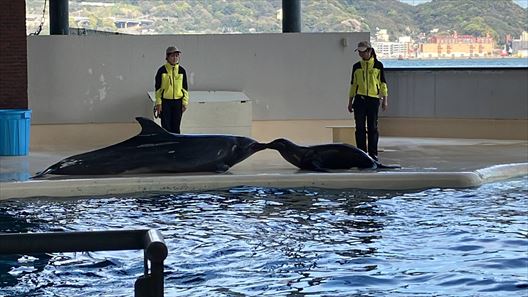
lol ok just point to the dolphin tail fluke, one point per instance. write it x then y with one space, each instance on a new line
48 170
41 174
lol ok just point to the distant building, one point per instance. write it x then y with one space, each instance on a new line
32 22
85 31
123 23
520 46
393 50
405 39
456 46
98 4
382 35
82 22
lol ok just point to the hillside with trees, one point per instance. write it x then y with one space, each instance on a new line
395 16
475 17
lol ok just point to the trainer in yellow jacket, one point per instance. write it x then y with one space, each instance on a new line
172 93
368 89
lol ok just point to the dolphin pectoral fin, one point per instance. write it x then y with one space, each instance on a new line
316 166
381 166
221 168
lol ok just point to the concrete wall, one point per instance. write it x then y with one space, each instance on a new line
463 93
298 84
98 79
295 76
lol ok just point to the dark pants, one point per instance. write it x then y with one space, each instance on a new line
171 114
366 110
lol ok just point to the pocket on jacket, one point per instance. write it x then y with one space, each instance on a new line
165 81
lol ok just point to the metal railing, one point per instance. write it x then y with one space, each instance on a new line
151 283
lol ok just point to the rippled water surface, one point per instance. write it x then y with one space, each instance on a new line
287 242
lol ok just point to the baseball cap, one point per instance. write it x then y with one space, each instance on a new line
363 46
172 49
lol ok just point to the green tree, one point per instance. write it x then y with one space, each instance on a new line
478 27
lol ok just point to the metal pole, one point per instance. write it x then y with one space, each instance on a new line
291 16
156 251
151 241
58 13
53 242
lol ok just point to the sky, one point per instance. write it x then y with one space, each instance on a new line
522 3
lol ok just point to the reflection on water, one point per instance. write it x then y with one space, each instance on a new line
20 172
250 241
12 266
457 63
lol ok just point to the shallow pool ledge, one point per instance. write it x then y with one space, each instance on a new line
178 183
502 172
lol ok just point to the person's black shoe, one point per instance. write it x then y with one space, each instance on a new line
374 157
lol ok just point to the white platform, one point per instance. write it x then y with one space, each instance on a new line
426 163
200 182
215 112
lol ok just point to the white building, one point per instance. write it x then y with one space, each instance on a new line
520 46
392 50
382 35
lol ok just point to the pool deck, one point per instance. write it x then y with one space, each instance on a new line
426 163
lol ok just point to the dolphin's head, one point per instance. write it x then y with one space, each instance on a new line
243 148
290 151
279 144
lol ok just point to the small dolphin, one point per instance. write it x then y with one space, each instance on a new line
154 150
325 156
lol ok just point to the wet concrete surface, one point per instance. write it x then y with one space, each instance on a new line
412 154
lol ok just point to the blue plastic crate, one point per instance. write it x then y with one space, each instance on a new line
15 126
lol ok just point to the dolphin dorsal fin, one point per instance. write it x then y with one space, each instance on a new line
150 128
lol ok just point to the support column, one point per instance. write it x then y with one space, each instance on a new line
291 16
58 12
13 56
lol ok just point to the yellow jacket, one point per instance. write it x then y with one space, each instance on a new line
171 83
368 79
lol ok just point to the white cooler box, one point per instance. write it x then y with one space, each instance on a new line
215 112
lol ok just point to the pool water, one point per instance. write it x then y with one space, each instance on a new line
249 241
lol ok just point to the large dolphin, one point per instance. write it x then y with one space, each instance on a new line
325 156
154 150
